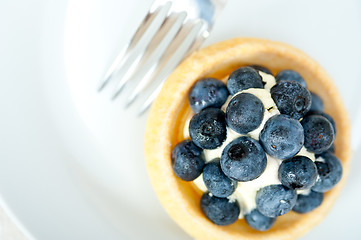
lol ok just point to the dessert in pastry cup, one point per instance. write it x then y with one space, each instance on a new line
171 112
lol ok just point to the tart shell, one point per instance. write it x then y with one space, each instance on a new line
171 109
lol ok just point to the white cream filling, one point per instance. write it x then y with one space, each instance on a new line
269 79
245 192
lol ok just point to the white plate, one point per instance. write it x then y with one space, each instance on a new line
71 161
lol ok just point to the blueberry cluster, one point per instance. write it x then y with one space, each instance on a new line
301 122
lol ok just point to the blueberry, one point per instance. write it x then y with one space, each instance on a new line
244 78
275 200
243 159
208 128
306 203
261 68
332 148
258 221
282 137
319 133
290 75
219 210
216 181
298 172
187 160
291 98
329 170
316 103
329 118
244 113
208 92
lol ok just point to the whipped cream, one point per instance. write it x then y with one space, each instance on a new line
245 192
268 79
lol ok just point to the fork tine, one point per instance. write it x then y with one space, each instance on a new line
195 45
165 59
148 20
160 39
149 100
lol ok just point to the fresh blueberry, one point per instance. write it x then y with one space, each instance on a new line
219 210
275 200
243 159
244 113
291 98
258 221
282 137
298 173
261 68
306 203
319 133
216 181
332 148
329 170
187 160
207 128
244 78
290 75
329 118
208 92
316 103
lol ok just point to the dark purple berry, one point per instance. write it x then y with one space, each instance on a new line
306 203
329 170
243 159
319 133
275 200
290 75
244 113
298 173
329 118
316 103
291 98
219 210
258 221
282 137
208 92
216 181
207 128
187 160
244 78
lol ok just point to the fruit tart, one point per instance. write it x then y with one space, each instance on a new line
248 139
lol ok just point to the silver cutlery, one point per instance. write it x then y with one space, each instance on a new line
171 30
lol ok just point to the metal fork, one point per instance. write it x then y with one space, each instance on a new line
171 30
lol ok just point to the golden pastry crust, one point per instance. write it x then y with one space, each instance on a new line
169 111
